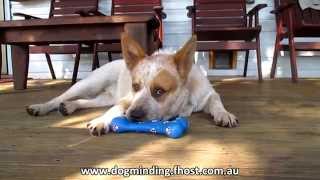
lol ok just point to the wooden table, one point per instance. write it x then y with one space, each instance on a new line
22 33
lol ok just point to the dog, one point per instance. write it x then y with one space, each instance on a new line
160 86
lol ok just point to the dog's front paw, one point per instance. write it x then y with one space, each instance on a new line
66 108
225 119
97 127
37 110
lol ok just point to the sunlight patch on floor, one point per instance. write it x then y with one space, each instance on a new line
33 83
79 121
81 142
191 152
6 86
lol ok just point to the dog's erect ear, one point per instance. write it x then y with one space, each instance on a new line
131 50
185 56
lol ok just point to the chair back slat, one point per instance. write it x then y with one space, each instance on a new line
219 13
134 7
311 16
297 12
136 2
71 7
307 16
143 9
139 7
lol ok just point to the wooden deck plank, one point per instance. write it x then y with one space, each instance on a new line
278 136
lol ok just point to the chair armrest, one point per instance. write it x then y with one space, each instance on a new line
191 11
159 11
26 16
282 8
90 13
96 13
256 9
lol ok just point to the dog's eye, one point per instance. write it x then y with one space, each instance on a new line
135 87
158 92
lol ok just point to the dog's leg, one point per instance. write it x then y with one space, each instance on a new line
97 82
221 116
102 100
100 125
82 89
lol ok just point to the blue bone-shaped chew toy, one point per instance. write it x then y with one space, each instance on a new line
174 128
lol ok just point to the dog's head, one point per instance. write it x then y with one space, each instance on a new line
158 81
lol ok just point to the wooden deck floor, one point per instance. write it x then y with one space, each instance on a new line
278 137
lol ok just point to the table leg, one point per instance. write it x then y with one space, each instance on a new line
20 65
141 33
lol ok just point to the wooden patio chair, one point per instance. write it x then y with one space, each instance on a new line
293 22
62 9
132 8
225 25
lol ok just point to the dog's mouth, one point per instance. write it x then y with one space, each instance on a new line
136 115
141 114
151 119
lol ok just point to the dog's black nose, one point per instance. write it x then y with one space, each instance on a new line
137 114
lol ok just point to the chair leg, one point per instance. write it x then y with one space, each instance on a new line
275 57
76 65
53 75
110 56
259 58
246 63
95 59
293 58
98 63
